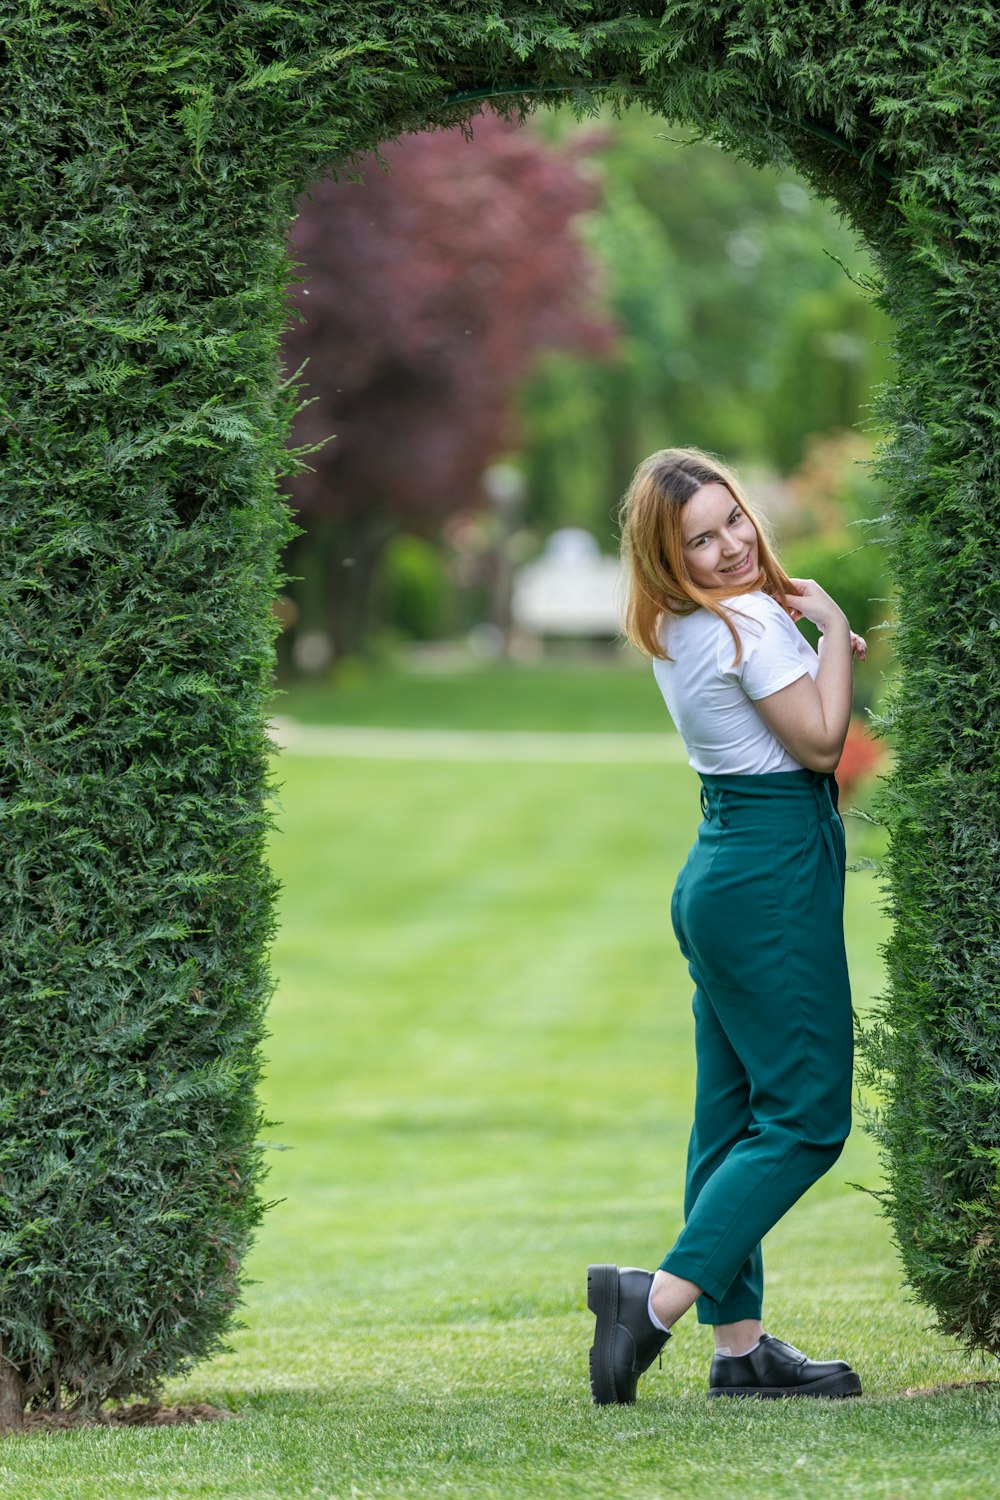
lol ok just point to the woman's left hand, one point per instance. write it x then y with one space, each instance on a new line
859 646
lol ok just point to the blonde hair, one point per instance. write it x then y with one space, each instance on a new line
657 581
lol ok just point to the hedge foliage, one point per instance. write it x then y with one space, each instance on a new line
143 423
152 159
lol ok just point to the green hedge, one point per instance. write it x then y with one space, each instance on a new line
144 418
152 157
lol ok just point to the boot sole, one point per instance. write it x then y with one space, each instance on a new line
831 1388
602 1299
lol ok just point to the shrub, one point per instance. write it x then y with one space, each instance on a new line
143 418
416 592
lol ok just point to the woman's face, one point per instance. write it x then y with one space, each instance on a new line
719 539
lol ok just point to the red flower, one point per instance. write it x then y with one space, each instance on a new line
861 758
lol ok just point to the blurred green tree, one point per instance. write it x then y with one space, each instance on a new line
741 331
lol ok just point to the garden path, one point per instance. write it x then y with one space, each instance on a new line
363 743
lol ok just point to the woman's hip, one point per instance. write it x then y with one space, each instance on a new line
758 889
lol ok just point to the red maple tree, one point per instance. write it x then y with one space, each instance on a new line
427 294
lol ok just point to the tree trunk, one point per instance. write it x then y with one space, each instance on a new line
351 588
11 1396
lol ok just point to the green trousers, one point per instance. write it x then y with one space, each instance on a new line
758 910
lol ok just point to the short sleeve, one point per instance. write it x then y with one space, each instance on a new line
774 653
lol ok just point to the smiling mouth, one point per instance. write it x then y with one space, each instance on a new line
738 567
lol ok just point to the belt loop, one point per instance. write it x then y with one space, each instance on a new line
704 802
722 810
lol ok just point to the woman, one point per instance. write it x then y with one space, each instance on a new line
758 913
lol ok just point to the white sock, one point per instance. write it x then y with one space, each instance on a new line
652 1316
727 1353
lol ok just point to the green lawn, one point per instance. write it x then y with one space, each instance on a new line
481 1059
614 693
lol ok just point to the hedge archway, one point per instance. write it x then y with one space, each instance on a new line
154 156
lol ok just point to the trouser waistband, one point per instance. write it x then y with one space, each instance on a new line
726 797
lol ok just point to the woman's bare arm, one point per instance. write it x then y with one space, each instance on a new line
811 716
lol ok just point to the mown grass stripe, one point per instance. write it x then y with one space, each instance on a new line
352 742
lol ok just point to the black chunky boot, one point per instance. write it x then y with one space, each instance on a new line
625 1341
775 1369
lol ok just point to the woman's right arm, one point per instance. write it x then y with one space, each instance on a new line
811 716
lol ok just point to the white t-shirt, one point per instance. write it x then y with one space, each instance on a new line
711 701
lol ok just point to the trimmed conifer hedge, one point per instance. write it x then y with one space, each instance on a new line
152 156
144 414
